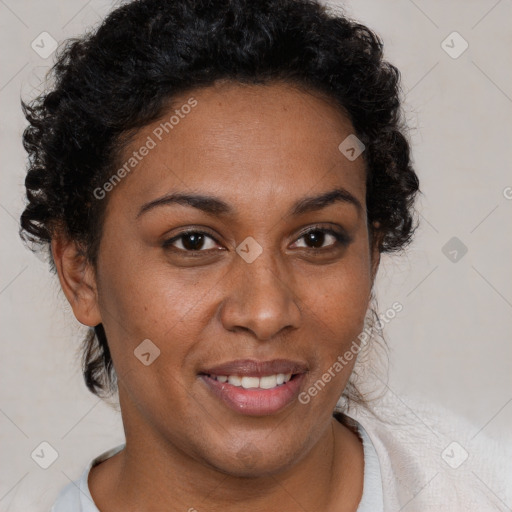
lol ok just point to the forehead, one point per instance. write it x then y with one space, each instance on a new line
245 143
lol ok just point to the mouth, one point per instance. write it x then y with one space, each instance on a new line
255 388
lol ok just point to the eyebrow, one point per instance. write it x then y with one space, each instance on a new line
214 206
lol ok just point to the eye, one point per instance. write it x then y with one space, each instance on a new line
317 236
190 241
195 241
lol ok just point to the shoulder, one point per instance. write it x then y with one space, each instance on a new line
75 496
69 499
430 456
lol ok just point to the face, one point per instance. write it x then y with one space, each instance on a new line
257 282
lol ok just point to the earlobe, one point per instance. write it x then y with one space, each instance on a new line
77 279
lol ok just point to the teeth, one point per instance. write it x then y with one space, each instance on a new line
234 380
250 382
266 382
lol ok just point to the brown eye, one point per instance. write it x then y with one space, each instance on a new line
190 241
316 238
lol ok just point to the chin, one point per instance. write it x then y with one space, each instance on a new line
253 459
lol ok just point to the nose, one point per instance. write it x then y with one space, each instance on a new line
261 299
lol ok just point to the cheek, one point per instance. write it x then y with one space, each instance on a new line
337 305
139 301
338 295
151 324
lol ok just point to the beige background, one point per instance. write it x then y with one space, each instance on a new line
451 343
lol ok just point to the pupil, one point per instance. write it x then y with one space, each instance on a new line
197 241
316 237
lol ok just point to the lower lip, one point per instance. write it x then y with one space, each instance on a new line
255 401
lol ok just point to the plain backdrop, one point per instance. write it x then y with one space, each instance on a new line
451 344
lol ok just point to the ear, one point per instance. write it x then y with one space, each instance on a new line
77 279
375 252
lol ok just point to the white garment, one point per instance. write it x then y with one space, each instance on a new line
76 497
432 460
429 459
372 500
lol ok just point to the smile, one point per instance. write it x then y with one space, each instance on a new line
266 382
255 388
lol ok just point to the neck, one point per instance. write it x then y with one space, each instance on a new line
152 474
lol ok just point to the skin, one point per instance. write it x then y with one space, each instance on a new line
260 149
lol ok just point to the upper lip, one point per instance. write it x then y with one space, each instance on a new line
255 368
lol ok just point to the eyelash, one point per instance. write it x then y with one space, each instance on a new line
341 240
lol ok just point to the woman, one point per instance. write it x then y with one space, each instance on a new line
216 181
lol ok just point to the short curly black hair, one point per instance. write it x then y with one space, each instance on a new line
120 77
